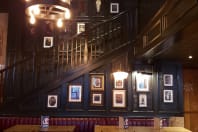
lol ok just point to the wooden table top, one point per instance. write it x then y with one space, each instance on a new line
99 128
174 129
117 129
37 128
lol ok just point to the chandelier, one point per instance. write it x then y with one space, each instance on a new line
51 10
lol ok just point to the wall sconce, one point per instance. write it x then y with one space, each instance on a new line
120 75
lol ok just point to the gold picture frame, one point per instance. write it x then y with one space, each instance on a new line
97 82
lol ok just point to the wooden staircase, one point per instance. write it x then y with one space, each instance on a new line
68 59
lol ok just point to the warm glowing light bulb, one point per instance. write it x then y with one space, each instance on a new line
36 10
59 23
32 20
190 57
67 14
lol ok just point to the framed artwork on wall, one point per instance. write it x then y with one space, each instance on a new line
119 98
75 93
119 83
97 82
142 100
168 79
97 99
80 27
168 96
114 7
52 101
142 83
48 42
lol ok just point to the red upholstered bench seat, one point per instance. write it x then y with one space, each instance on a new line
82 124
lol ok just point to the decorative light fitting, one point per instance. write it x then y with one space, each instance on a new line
55 10
120 75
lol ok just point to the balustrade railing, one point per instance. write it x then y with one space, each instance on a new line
44 66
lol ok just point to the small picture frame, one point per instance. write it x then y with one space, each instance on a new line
48 42
97 82
168 79
119 98
119 83
142 83
114 7
96 99
80 27
75 93
142 100
52 101
168 96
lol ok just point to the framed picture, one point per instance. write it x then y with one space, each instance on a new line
114 8
142 100
97 99
48 42
142 83
75 93
119 83
80 27
168 79
119 98
97 82
52 101
168 96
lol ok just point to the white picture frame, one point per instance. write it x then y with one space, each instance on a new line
168 79
97 99
114 7
119 83
52 101
75 93
142 100
119 98
142 83
48 41
80 27
168 96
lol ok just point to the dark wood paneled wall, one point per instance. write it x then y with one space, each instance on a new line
190 99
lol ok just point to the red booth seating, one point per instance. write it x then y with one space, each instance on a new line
82 124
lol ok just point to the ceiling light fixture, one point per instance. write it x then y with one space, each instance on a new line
50 10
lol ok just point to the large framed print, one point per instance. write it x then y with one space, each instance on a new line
97 82
96 99
52 101
75 93
168 96
142 100
142 83
48 42
119 83
119 98
168 79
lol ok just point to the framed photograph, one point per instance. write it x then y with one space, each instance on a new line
75 93
142 83
80 27
119 83
119 98
48 42
97 82
168 96
97 99
52 101
142 100
168 79
114 8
